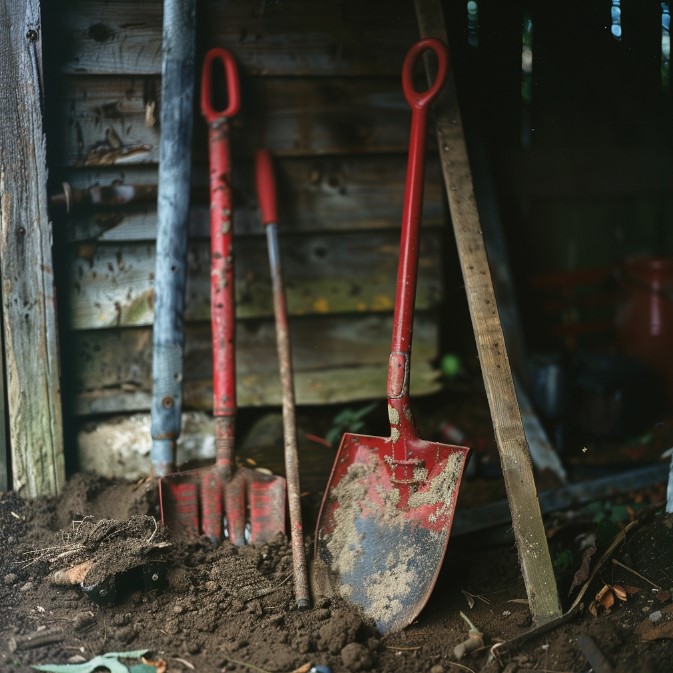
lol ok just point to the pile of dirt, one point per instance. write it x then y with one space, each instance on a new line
226 608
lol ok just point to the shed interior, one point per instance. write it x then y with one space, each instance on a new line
567 123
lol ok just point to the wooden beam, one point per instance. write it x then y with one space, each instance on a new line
293 37
529 532
26 271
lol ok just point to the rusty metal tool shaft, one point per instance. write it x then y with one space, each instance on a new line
266 193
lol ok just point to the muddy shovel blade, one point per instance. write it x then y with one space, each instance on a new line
380 543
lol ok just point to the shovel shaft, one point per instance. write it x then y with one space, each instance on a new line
407 271
222 299
402 424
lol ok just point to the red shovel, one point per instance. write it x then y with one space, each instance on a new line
388 508
223 501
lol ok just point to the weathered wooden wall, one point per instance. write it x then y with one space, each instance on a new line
321 90
29 329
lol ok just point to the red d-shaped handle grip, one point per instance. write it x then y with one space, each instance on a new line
419 99
231 81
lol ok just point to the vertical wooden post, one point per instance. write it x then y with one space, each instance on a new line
26 271
517 469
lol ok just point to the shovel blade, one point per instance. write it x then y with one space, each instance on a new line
247 508
380 543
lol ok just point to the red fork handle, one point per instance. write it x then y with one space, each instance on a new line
232 86
266 188
222 297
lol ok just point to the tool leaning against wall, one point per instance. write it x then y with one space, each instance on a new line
175 170
224 500
386 516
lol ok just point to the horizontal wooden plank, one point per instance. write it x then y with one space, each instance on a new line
316 194
112 285
293 37
108 119
334 359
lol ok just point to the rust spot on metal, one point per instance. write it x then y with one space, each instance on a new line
167 402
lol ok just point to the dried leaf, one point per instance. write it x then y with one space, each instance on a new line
593 609
468 597
607 600
582 573
619 592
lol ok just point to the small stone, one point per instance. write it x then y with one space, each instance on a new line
28 586
356 657
9 579
179 609
76 659
656 616
437 669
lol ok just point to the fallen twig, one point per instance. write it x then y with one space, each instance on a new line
457 665
515 642
636 573
252 667
33 640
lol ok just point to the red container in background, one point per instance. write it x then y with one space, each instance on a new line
645 316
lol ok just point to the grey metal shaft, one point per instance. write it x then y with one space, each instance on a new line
175 170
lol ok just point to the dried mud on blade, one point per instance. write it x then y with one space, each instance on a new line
388 508
374 550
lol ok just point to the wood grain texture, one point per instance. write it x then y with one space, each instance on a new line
538 572
28 298
293 37
334 359
112 284
107 119
315 194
